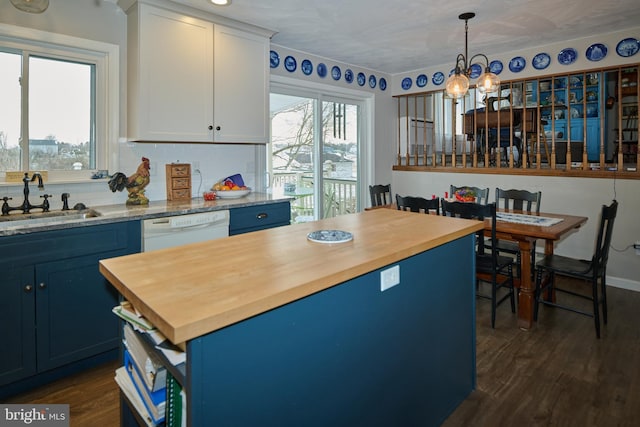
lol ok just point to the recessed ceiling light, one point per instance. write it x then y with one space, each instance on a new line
221 2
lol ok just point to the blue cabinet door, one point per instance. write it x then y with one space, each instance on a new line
17 317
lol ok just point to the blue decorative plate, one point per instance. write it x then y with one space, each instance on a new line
348 76
336 73
476 70
437 78
567 56
517 64
541 61
321 69
306 67
274 59
290 64
361 79
628 47
422 80
495 67
596 52
382 84
406 83
372 81
330 236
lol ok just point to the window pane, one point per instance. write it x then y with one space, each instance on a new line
10 65
60 115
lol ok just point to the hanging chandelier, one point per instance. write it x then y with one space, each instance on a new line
458 83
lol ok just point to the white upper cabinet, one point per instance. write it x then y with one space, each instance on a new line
241 86
190 80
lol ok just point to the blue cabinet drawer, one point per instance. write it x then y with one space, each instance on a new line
259 217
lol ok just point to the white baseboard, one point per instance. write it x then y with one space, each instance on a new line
618 282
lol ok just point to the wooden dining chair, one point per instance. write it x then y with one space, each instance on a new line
521 200
418 204
590 271
491 267
380 195
482 194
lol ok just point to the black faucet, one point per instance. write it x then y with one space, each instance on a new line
26 206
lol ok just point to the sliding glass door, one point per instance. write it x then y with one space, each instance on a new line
315 146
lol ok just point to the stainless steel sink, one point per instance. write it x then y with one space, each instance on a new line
40 218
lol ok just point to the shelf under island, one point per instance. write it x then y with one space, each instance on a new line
280 330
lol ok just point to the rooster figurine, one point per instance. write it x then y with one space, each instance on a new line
135 184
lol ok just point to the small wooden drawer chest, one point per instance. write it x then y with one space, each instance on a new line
178 181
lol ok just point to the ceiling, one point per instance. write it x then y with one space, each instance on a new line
400 36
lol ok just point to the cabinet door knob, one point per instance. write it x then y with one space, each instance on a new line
210 127
42 285
218 128
28 288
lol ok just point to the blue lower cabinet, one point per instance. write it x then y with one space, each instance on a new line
55 310
259 217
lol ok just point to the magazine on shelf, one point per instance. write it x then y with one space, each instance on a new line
149 363
126 385
127 312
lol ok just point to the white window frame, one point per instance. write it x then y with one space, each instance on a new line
105 56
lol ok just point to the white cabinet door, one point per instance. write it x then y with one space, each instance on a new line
170 76
241 86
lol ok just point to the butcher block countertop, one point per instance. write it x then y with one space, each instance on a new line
191 290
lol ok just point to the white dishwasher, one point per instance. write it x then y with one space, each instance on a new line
167 232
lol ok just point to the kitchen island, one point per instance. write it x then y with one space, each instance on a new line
280 330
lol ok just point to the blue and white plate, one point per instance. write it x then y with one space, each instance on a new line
321 69
274 59
372 81
567 56
596 52
495 67
362 79
336 73
628 47
306 67
290 64
348 75
330 236
406 83
422 80
517 64
541 61
476 70
438 78
382 84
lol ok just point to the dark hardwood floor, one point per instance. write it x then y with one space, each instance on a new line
557 374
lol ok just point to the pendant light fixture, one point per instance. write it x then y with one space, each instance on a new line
458 83
31 6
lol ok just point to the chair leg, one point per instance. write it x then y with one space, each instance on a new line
603 284
596 305
512 296
536 295
494 296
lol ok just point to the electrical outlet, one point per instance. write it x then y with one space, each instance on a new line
389 278
196 165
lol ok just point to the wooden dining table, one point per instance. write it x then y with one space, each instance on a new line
525 235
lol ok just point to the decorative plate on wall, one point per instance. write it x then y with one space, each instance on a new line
596 52
495 66
406 83
321 69
383 83
517 64
567 56
628 47
290 64
541 61
306 67
274 59
361 79
372 81
422 80
348 76
437 78
476 70
336 73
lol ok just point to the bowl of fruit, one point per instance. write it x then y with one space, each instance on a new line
228 189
